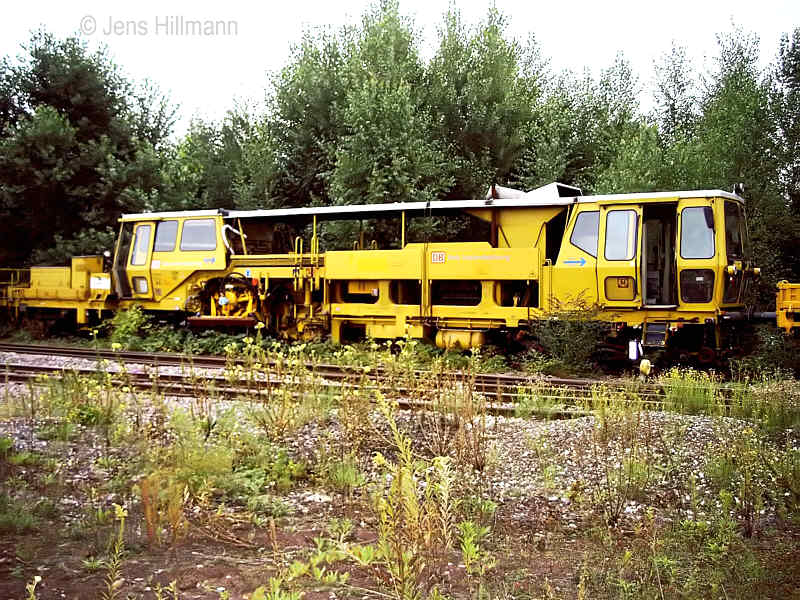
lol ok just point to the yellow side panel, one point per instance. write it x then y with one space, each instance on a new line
620 288
522 227
478 260
788 296
82 267
788 305
518 227
375 264
50 293
361 287
50 277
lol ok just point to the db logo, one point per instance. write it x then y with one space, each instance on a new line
438 257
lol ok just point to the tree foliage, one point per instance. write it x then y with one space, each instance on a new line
77 144
357 115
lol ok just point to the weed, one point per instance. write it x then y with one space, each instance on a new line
92 564
113 578
30 588
620 428
172 589
363 556
268 506
25 458
456 425
689 392
756 474
476 560
415 512
6 445
163 501
15 517
63 431
275 591
340 529
345 476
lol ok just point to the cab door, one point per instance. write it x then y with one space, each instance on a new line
619 279
700 246
138 270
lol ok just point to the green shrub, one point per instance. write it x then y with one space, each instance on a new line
569 337
127 327
776 353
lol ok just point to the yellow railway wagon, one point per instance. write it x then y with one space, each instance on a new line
665 269
788 306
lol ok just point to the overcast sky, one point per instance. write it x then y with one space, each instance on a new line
205 73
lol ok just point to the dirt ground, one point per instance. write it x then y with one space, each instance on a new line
544 543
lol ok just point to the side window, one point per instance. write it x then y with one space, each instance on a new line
697 232
620 235
199 234
141 245
166 234
586 231
734 227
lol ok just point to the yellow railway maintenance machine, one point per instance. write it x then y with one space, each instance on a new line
666 269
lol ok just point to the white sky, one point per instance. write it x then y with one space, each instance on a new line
204 74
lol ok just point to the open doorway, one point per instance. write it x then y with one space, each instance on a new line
659 230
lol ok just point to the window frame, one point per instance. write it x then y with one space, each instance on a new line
597 237
183 234
739 229
135 244
633 247
713 235
174 238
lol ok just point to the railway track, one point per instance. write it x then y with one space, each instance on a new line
221 362
262 390
204 374
502 387
207 374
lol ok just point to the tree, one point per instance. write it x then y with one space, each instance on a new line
76 144
387 153
676 110
479 100
785 110
736 143
304 118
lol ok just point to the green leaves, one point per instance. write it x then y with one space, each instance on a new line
76 143
358 115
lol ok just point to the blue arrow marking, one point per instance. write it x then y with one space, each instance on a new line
580 262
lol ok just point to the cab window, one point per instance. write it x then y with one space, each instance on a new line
199 234
697 232
141 245
734 231
586 232
166 234
620 235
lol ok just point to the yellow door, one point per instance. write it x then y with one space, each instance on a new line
618 266
138 270
700 248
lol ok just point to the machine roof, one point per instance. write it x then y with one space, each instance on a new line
554 194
